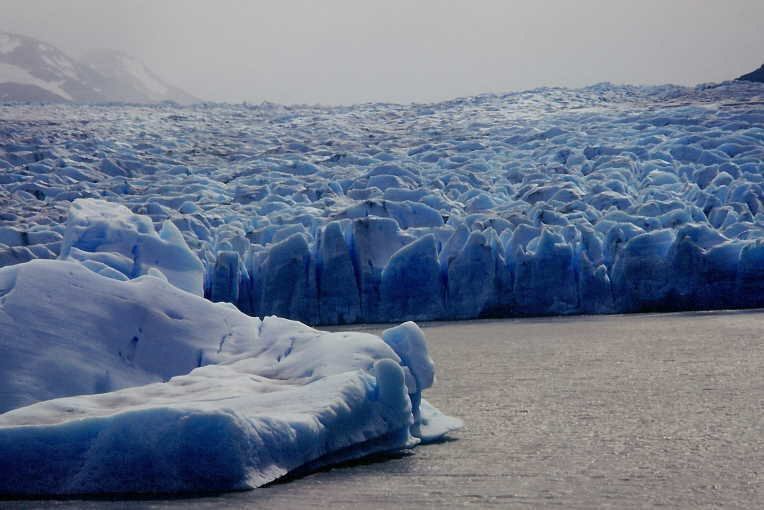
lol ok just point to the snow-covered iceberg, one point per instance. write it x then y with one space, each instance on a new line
112 385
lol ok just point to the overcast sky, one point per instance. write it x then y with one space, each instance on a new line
348 51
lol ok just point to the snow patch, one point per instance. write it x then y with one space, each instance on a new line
10 73
145 77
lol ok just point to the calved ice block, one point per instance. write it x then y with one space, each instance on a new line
113 386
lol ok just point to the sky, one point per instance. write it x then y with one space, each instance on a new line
351 51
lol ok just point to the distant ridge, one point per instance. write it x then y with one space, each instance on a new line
133 80
33 70
757 75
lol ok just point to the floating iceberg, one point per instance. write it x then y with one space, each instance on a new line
112 385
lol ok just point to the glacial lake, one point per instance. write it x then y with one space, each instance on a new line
576 412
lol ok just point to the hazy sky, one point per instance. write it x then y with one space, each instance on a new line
346 51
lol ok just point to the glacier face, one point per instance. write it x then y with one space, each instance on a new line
116 385
554 201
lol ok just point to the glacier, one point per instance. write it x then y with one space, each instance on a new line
605 199
161 267
113 385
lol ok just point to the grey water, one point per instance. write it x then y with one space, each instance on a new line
663 410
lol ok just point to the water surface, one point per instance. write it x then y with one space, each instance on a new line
608 411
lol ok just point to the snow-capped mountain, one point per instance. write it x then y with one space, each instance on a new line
32 70
132 80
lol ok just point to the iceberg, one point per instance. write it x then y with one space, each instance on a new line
136 386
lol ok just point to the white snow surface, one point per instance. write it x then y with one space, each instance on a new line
192 395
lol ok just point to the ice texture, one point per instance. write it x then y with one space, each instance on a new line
135 386
111 235
552 201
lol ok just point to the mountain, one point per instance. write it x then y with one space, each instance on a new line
132 80
32 70
757 75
